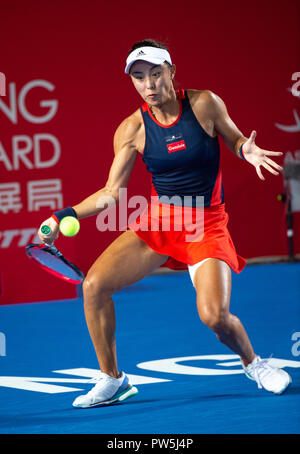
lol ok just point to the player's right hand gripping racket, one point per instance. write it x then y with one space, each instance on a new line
52 260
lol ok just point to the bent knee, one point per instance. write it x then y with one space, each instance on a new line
213 318
95 286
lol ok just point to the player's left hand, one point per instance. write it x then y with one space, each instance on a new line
259 157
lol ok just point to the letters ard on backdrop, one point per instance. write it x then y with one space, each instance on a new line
26 152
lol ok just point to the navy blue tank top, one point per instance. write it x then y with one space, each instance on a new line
183 159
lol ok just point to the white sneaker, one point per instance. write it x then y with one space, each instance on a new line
266 376
106 391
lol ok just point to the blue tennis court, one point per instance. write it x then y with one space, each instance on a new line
189 383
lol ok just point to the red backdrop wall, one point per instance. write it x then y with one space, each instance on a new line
66 93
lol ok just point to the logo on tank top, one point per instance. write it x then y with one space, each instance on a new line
175 146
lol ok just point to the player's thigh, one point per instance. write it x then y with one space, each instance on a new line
125 261
213 286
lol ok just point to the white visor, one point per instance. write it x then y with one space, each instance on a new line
151 54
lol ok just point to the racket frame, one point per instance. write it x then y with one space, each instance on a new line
51 249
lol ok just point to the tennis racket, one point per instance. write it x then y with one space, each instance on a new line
52 260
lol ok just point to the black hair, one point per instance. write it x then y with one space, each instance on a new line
148 42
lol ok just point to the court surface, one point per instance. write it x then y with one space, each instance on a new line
202 391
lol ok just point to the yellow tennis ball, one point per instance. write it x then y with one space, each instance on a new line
69 226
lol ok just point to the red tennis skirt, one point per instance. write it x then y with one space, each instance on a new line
187 235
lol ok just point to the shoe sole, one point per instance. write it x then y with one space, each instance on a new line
129 392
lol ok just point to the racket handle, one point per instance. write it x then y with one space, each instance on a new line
46 231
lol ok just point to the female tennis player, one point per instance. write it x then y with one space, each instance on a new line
176 132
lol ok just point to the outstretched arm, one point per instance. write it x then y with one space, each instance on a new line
119 174
126 149
234 139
